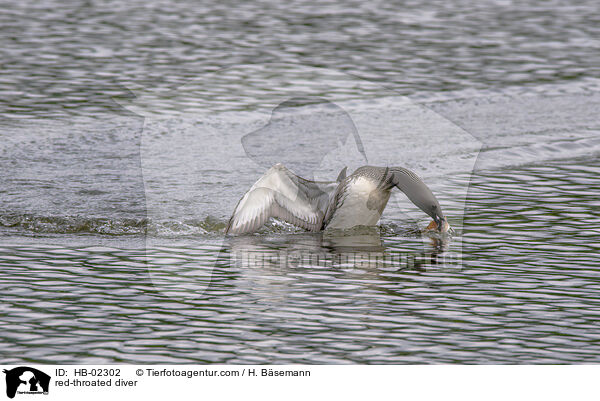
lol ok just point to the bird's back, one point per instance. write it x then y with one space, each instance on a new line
359 199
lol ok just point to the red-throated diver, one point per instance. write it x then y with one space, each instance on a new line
356 200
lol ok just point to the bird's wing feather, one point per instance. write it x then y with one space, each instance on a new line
281 194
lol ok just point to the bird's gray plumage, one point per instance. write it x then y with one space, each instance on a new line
358 199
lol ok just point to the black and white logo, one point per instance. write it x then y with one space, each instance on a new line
26 380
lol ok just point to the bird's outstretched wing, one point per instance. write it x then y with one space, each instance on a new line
281 194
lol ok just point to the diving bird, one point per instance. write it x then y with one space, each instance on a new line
354 200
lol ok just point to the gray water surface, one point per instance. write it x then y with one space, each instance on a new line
111 220
527 292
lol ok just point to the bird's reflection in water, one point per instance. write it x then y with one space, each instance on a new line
363 248
269 261
362 239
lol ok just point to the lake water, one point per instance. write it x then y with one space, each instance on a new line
130 131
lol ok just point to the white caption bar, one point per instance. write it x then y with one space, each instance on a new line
158 382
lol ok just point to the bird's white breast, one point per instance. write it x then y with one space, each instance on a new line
356 210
